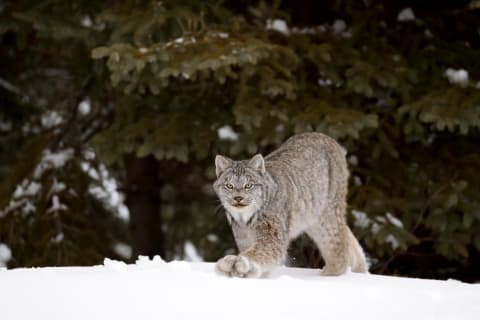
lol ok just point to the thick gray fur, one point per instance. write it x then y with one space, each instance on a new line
300 187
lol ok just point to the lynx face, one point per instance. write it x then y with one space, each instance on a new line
239 186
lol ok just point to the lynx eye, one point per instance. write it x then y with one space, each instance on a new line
248 186
229 186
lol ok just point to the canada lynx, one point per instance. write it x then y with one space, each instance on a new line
300 187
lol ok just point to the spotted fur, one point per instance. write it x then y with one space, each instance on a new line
300 187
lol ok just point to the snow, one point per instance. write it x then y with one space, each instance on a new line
394 243
51 119
191 253
27 188
309 30
361 219
5 125
58 159
123 250
180 41
226 133
8 86
357 181
339 26
20 198
154 289
278 25
84 107
375 226
394 220
5 255
28 207
324 82
56 205
53 160
86 21
107 190
406 15
212 237
223 35
459 76
58 238
353 160
57 186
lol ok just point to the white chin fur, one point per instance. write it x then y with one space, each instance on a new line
242 214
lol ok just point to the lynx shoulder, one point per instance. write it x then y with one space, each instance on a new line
299 188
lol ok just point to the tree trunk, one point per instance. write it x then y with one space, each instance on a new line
143 201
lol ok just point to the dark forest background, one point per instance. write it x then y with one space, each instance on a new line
111 113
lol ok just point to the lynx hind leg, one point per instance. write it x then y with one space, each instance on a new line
359 262
333 246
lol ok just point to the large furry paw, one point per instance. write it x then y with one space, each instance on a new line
238 266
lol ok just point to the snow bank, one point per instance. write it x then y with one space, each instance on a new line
183 290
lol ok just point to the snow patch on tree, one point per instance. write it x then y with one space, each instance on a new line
324 82
212 237
405 15
457 76
227 133
57 186
5 254
107 190
5 125
27 188
86 21
339 26
361 219
57 205
394 220
123 250
58 238
278 25
51 119
84 107
394 243
21 199
53 160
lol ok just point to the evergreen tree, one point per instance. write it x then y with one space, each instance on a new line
170 84
56 197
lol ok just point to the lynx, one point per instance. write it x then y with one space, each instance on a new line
300 187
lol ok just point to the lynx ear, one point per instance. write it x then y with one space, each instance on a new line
257 163
221 164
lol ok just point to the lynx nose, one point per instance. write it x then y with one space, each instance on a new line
238 199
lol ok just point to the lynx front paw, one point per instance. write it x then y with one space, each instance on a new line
238 266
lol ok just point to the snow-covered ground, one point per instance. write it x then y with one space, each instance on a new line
186 290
